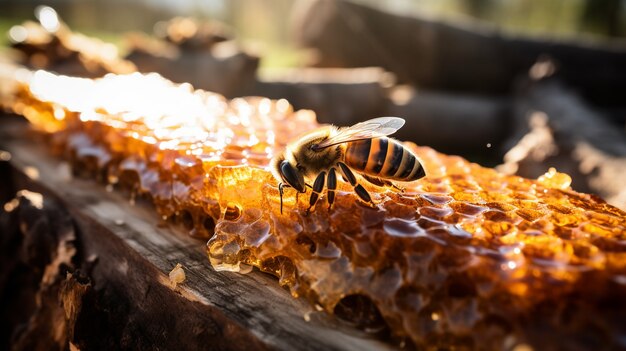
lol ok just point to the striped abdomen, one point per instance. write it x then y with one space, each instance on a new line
383 158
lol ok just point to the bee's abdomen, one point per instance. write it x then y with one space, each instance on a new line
383 158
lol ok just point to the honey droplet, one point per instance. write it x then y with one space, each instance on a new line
177 275
555 180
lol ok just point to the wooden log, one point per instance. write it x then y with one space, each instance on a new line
224 68
555 128
37 247
451 56
117 294
452 123
338 96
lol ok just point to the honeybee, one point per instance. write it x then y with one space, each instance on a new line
363 148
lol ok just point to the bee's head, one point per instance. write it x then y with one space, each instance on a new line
285 170
291 175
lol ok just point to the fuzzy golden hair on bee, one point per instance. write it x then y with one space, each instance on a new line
309 160
363 148
300 150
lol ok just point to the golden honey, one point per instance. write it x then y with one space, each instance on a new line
465 258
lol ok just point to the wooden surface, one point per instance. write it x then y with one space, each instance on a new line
124 251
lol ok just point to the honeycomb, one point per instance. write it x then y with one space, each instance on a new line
465 258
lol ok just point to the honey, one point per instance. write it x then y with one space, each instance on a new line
465 258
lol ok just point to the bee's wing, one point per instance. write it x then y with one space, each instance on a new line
374 128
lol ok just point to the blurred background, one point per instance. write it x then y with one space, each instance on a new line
266 22
521 85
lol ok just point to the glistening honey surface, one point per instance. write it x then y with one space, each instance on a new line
465 258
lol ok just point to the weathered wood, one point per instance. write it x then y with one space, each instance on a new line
338 96
223 68
37 247
460 56
125 254
454 123
555 128
451 123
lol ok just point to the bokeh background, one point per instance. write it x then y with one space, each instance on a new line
266 22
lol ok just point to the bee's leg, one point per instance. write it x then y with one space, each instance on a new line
399 188
381 182
347 173
332 185
363 194
318 186
358 188
280 191
376 181
306 184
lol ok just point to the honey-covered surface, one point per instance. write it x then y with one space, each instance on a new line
465 258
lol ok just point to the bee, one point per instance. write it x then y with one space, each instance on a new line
363 148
